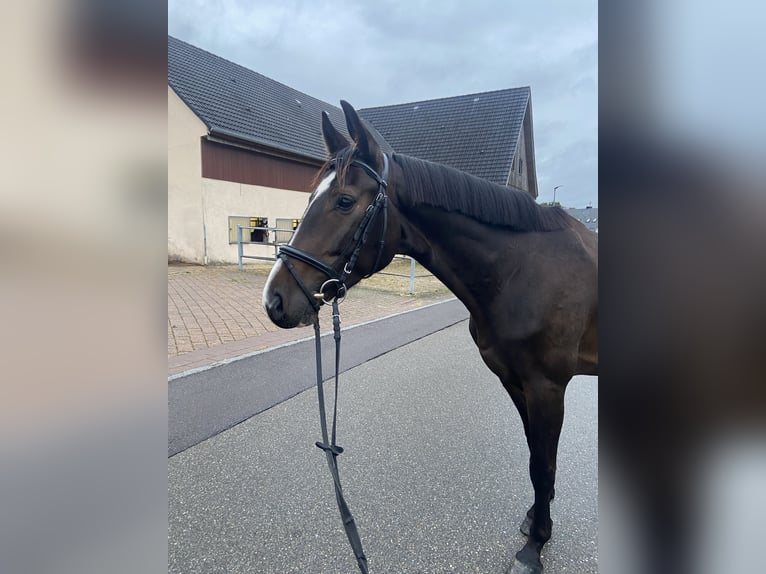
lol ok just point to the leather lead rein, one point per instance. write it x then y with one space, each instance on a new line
330 447
328 443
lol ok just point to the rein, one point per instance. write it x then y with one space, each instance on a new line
330 447
328 443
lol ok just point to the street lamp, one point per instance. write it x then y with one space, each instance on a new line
554 192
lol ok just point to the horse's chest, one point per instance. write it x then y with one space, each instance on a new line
495 361
494 356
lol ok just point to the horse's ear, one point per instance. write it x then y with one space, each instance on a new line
365 143
334 141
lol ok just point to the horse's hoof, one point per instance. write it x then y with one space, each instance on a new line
526 525
519 567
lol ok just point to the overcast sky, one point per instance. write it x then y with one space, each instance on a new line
385 52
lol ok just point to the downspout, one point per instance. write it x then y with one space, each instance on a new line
204 222
204 240
202 201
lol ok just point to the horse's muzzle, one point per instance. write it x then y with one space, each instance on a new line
276 308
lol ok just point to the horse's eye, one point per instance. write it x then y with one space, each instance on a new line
345 203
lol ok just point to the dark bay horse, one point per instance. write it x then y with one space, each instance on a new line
526 273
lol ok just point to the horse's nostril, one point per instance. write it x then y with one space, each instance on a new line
274 306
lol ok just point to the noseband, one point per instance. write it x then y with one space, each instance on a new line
342 267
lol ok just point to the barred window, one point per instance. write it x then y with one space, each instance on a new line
249 235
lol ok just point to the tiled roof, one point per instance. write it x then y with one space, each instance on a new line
587 215
232 98
476 133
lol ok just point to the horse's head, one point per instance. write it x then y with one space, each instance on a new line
342 236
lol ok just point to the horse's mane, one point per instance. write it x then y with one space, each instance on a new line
440 186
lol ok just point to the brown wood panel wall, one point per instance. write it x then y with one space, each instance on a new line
230 163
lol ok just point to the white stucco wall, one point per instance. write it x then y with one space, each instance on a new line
222 199
185 214
199 208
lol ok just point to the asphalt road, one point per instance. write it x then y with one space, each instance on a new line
435 471
204 402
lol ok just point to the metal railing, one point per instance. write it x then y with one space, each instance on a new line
411 274
240 243
240 254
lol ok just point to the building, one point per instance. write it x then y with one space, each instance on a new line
586 215
488 135
243 149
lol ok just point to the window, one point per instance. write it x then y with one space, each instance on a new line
521 166
284 231
249 235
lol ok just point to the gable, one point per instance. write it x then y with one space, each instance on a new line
523 174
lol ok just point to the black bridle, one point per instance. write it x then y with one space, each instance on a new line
337 274
343 266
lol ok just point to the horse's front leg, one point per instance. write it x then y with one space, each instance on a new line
526 524
545 414
517 395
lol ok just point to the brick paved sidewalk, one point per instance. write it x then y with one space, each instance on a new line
215 312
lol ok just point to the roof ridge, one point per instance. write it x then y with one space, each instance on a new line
517 88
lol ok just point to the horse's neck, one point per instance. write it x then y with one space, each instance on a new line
458 250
